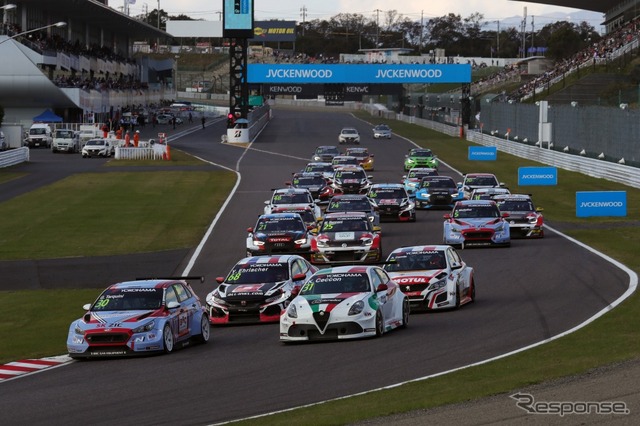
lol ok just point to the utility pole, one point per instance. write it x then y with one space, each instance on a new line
421 30
303 13
524 32
498 42
377 27
532 32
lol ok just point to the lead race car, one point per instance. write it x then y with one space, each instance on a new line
139 317
345 302
433 277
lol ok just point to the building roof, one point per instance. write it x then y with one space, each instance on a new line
602 6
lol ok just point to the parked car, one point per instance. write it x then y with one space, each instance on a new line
39 135
98 147
137 318
65 140
167 119
3 142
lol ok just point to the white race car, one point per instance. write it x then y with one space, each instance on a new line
345 302
434 277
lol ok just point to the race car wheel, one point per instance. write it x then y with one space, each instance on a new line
457 298
405 313
205 330
167 339
472 292
379 324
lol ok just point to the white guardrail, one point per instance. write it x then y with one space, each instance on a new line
614 172
12 157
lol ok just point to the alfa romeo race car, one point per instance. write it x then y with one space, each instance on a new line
346 238
345 302
257 289
392 202
139 317
437 192
525 220
433 277
282 233
476 223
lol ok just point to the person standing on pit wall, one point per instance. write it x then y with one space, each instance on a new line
136 138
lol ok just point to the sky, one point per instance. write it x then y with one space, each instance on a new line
323 9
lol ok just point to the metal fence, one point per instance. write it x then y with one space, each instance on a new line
14 156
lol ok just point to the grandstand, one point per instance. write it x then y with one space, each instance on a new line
85 67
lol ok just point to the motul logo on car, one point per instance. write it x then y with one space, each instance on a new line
411 280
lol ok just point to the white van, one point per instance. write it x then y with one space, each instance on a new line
40 134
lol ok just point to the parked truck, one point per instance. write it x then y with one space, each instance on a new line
65 140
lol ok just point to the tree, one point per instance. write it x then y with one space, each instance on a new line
564 41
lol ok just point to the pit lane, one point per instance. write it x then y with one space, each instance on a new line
525 294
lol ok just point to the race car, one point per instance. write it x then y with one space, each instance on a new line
325 153
283 233
139 317
315 182
345 302
290 197
349 135
382 131
257 289
476 223
433 277
305 212
420 157
412 179
344 160
488 193
350 180
437 192
478 180
320 167
525 220
354 203
346 238
365 159
392 202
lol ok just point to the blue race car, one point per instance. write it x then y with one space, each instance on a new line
139 317
437 192
476 223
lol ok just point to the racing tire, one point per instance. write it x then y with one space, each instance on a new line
168 344
205 330
472 292
406 310
457 304
379 324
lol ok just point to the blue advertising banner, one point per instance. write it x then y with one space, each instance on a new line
483 153
601 203
358 73
537 176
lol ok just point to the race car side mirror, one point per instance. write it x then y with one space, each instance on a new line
298 277
447 216
505 214
219 280
249 230
382 287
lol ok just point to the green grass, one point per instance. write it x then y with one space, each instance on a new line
6 176
612 338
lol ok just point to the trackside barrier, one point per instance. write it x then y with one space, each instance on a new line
12 157
258 119
154 152
588 166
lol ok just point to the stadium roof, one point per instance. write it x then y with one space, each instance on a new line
95 14
601 6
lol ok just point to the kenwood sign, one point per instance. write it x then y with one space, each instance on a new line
358 73
540 176
483 153
601 203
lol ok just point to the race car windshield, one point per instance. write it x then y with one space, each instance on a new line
437 183
351 206
482 181
420 175
345 225
305 181
128 299
291 199
515 206
416 261
333 151
422 154
350 175
388 194
314 168
476 212
280 225
258 273
336 283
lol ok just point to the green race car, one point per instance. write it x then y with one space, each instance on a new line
420 157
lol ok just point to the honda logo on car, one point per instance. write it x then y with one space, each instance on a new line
601 203
537 176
